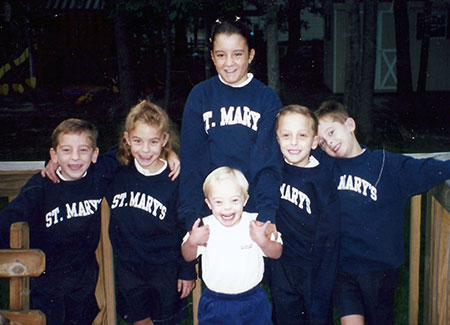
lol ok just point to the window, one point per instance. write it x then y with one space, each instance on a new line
438 24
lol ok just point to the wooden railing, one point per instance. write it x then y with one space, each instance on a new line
436 291
19 263
13 176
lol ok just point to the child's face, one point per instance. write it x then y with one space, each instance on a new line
231 57
74 154
226 201
337 139
146 142
296 138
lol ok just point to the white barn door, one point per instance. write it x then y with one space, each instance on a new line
386 61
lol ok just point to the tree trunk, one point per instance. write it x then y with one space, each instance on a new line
404 79
368 69
127 79
294 26
352 96
273 65
180 46
208 16
168 81
423 67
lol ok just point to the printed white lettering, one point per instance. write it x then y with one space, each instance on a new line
293 195
354 184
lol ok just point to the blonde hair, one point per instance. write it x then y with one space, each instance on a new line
75 126
334 109
150 114
298 109
222 173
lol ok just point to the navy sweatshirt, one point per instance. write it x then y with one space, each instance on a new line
144 228
64 218
227 126
373 189
308 218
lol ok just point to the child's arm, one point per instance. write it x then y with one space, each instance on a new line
26 207
198 236
174 164
270 248
50 171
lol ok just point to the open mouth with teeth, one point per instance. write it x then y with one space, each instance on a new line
75 167
336 148
227 217
145 159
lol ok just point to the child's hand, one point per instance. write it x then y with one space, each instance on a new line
270 230
50 171
185 287
199 235
174 164
258 233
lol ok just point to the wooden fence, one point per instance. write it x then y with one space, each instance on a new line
19 263
13 176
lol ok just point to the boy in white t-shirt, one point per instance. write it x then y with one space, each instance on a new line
232 248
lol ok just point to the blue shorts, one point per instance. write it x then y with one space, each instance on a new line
248 308
149 291
67 297
370 295
291 289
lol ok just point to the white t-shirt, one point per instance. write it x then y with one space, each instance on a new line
231 262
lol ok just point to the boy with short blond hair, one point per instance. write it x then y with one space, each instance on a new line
232 248
64 221
301 281
373 188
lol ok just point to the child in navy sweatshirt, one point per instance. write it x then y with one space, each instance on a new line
301 281
64 221
373 188
228 120
152 277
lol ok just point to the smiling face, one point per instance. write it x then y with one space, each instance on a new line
231 57
74 154
296 137
146 143
226 200
338 139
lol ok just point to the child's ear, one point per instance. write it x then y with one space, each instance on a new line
95 155
125 136
166 139
315 142
251 56
350 124
53 156
208 204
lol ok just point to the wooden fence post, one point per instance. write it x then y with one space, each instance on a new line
437 257
104 292
19 263
414 259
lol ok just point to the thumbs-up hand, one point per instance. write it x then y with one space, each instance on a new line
199 235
